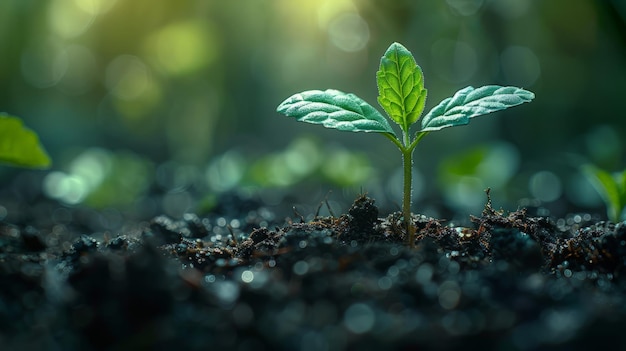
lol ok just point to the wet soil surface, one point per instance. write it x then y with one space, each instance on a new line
239 279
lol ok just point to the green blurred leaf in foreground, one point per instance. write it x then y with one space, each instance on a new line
19 146
611 187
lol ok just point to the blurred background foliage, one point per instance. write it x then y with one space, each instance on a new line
138 97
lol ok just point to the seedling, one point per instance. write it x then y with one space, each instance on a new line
19 146
402 95
612 189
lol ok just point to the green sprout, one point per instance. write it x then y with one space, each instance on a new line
612 190
19 146
402 95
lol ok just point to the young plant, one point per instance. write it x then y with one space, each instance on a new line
19 146
612 189
402 95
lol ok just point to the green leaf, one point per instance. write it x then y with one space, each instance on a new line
610 189
401 86
335 109
19 146
621 177
469 102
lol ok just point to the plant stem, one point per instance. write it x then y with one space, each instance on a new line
407 164
406 149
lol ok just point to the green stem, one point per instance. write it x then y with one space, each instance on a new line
406 149
394 140
407 164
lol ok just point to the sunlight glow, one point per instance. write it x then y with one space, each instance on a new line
225 171
185 47
67 188
95 7
67 19
127 77
131 83
349 32
100 178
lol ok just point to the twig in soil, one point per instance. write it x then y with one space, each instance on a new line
319 207
232 233
297 214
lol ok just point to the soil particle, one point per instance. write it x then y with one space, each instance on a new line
361 221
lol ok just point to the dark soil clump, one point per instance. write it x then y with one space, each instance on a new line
509 282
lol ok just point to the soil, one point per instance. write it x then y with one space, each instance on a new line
238 279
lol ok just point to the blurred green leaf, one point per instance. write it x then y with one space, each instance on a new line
335 109
345 168
612 189
19 146
465 163
401 86
469 102
124 181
